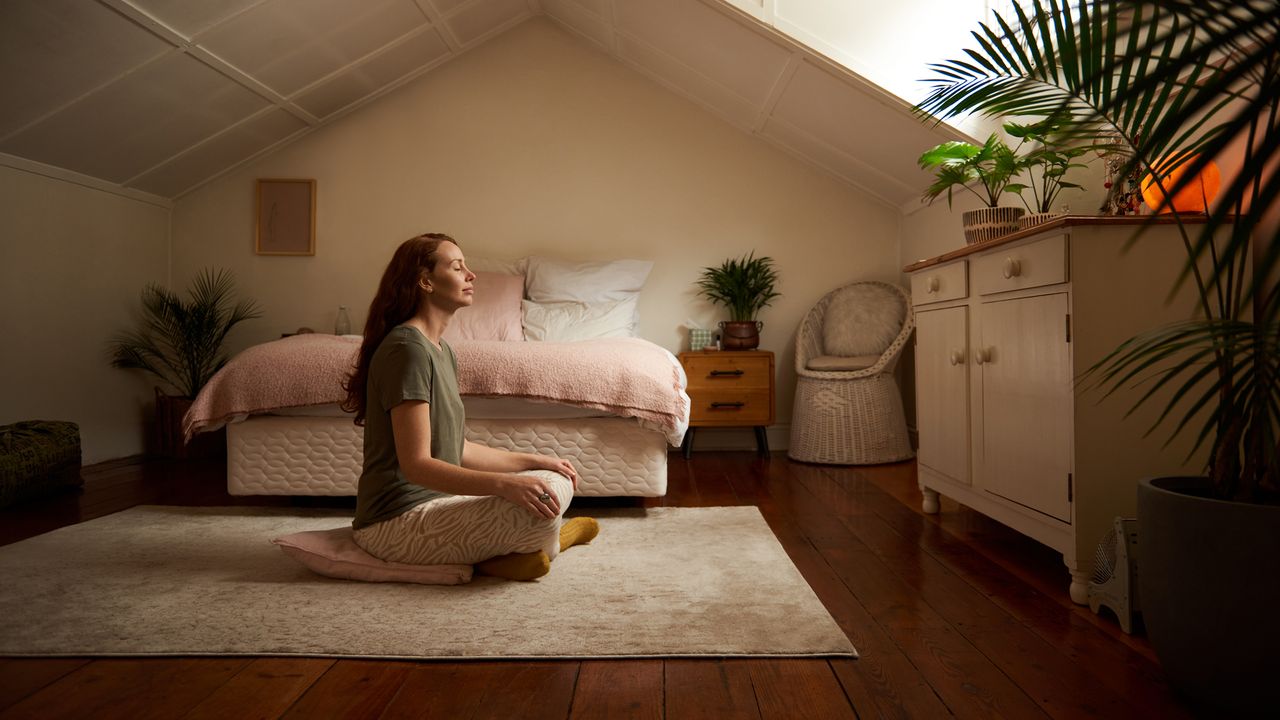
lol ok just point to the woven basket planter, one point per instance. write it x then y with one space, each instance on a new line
990 223
1029 220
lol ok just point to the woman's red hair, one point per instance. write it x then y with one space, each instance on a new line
397 301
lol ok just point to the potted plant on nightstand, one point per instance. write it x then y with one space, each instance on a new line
1177 83
993 166
745 286
180 343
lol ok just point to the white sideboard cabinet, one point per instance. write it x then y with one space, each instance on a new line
1003 329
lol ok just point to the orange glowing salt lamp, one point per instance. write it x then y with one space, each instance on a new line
1195 197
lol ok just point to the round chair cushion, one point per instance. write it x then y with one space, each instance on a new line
862 319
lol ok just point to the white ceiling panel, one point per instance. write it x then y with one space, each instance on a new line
446 6
707 40
189 17
580 17
827 108
484 16
54 51
599 7
139 120
95 87
373 74
289 44
217 154
852 169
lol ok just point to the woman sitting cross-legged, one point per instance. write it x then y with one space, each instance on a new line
426 495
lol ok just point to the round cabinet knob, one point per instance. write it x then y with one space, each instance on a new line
982 356
957 357
1012 268
932 284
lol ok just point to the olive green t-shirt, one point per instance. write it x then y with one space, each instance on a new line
406 366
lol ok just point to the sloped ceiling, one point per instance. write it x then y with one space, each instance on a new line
161 96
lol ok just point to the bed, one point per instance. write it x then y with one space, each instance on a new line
566 379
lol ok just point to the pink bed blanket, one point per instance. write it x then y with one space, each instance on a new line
628 377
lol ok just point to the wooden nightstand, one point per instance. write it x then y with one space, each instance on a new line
730 388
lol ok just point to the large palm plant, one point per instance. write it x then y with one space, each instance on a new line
1169 82
180 342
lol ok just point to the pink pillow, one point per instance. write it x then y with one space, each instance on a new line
334 553
495 312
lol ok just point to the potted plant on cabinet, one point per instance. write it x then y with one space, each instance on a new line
180 343
993 166
745 286
1176 83
1046 165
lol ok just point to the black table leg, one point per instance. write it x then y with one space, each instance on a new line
687 445
762 441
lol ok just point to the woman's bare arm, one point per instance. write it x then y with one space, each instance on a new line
481 457
411 425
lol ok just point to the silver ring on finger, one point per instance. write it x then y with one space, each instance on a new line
545 498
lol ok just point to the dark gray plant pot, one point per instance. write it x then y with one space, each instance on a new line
1209 584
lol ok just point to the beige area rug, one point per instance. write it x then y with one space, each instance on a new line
205 581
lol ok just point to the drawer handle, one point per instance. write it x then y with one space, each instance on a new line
982 356
1012 268
728 373
932 284
957 357
729 405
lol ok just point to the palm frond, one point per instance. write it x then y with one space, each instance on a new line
181 342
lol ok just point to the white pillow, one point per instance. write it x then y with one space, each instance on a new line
549 280
572 321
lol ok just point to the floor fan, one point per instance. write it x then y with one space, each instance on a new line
1115 573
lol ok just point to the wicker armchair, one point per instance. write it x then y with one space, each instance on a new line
848 408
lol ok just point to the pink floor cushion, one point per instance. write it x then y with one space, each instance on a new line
334 553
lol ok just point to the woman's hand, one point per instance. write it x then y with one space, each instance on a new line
531 493
554 464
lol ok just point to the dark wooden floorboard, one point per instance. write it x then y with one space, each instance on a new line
798 690
352 690
20 678
709 690
629 689
953 614
1036 665
265 688
129 689
1118 671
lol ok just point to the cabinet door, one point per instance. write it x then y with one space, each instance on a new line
942 391
1026 402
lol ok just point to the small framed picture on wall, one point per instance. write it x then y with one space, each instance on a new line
286 217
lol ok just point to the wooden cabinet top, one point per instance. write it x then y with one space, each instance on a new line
1063 222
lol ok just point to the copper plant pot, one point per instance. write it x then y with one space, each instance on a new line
741 334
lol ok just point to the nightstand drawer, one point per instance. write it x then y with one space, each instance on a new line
730 407
714 370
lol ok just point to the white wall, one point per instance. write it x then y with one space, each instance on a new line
73 261
535 143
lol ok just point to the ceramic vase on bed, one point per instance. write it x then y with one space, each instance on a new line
741 334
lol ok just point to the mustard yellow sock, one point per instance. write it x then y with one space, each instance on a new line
577 531
516 566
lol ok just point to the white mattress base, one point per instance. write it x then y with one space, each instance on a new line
291 455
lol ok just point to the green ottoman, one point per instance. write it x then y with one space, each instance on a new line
38 457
